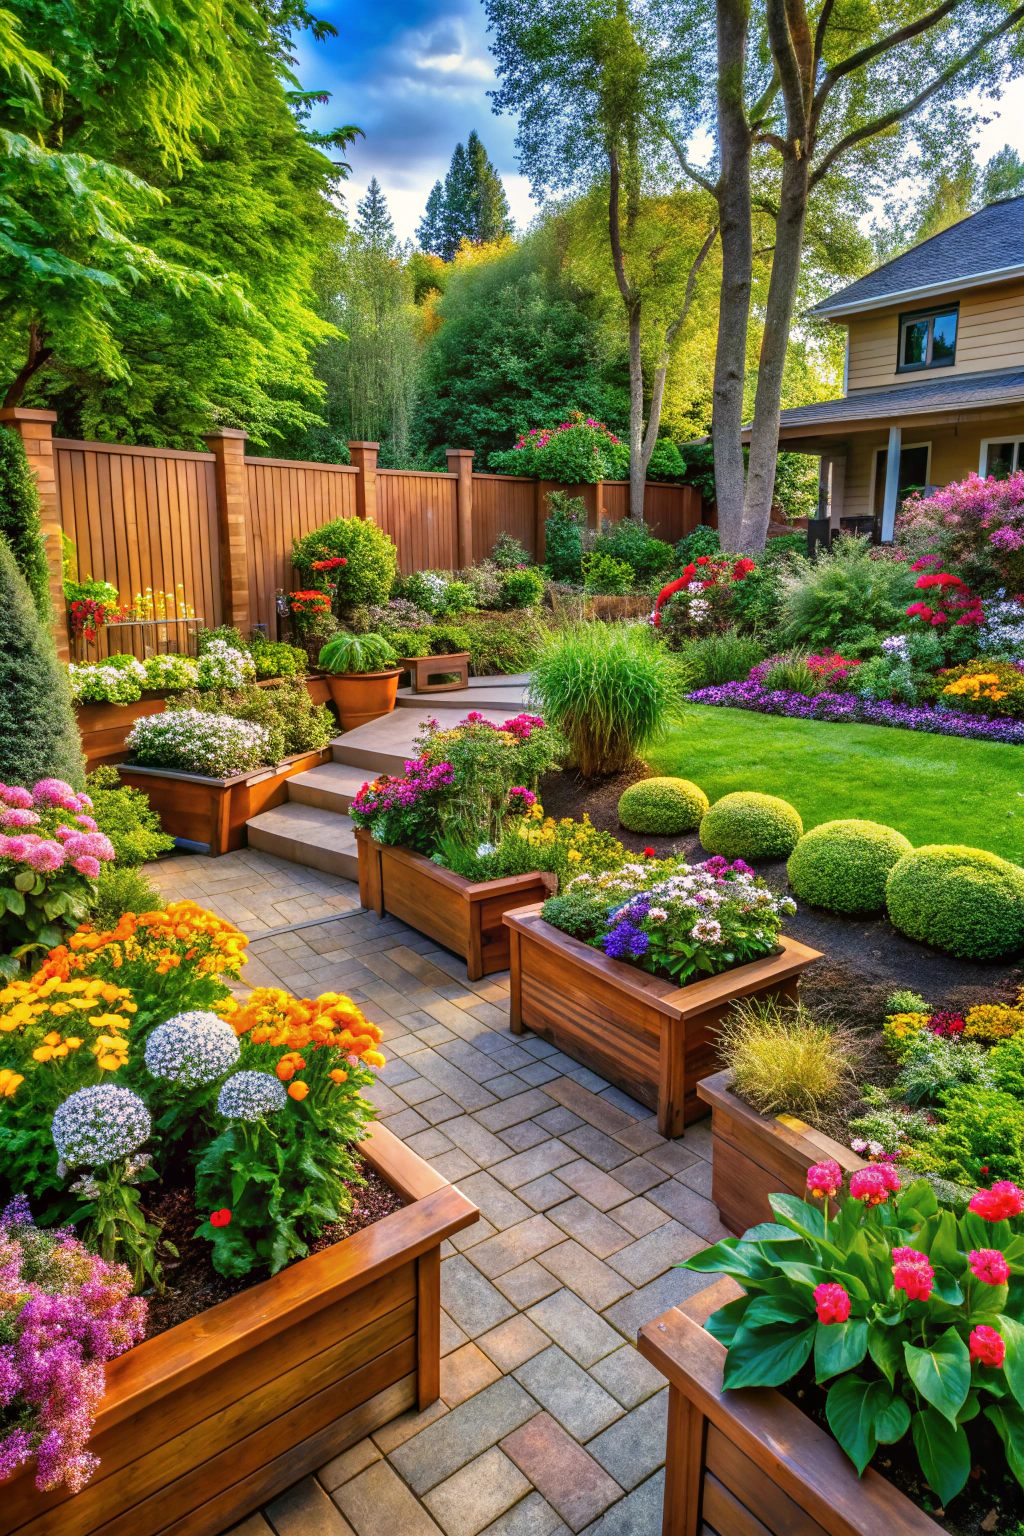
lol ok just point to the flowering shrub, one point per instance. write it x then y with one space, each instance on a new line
51 854
532 841
88 616
973 521
580 450
486 762
63 1313
100 684
902 1306
994 688
701 598
992 1022
192 741
306 607
404 810
440 593
222 666
170 672
955 602
672 918
192 1048
1002 629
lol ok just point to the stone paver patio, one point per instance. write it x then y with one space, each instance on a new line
549 1420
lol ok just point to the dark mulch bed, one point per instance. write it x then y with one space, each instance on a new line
193 1285
865 957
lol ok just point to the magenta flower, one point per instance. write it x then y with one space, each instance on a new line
45 856
989 1265
832 1304
88 823
825 1178
14 795
19 818
88 866
54 792
912 1273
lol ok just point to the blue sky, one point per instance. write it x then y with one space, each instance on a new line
414 74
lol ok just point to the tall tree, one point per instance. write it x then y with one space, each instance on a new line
430 230
492 220
471 205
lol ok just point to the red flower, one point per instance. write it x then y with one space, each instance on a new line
825 1178
988 1264
220 1218
702 559
999 1203
912 1273
873 1185
832 1303
650 853
986 1347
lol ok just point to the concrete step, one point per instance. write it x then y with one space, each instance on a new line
331 787
499 695
306 834
383 745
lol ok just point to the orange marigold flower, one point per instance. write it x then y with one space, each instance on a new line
285 1069
338 1076
298 1090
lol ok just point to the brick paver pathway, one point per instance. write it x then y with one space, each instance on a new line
549 1420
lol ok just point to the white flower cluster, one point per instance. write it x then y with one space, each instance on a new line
897 646
221 666
251 1095
192 1048
1003 628
99 684
171 671
99 1125
191 741
699 610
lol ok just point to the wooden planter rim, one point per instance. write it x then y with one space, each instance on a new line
253 776
803 1138
801 1458
470 890
187 1351
678 1002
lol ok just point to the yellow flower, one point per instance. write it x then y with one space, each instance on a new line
42 1053
107 1021
9 1083
374 1058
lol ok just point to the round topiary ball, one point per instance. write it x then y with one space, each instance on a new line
964 900
748 825
843 865
662 807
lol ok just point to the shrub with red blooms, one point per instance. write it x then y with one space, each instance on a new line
912 1315
973 522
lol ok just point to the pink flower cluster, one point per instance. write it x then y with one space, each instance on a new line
539 437
63 1312
58 845
832 1303
912 1273
999 1203
970 517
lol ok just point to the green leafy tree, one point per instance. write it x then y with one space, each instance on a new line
38 734
19 520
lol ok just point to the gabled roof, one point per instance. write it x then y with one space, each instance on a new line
965 393
980 249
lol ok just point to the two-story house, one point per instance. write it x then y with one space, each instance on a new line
934 377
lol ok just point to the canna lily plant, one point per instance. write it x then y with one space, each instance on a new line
914 1316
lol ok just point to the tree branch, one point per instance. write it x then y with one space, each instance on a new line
614 232
759 110
821 29
694 175
38 356
781 42
884 45
774 140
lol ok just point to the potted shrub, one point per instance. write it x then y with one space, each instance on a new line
362 677
627 975
892 1321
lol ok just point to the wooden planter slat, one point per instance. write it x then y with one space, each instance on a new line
207 1420
749 1462
650 1038
461 914
213 812
755 1156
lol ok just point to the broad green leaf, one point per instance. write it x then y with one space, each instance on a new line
766 1310
730 1257
799 1215
722 1325
768 1356
885 1346
976 1233
943 1452
1013 1253
916 1202
851 1408
770 1231
1013 1366
946 1289
15 903
970 1409
1009 1421
940 1243
892 1418
860 1262
941 1372
839 1347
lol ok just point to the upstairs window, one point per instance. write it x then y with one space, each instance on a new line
928 339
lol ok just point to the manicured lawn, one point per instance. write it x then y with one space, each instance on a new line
934 789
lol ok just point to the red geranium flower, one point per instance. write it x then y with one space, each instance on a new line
221 1218
999 1203
911 1272
832 1304
989 1265
650 853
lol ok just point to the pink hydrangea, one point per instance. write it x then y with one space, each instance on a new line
53 792
16 847
14 795
88 823
45 856
88 866
19 818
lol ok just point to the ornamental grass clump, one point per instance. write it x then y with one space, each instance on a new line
785 1061
904 1310
610 690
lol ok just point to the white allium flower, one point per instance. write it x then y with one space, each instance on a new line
250 1095
99 1125
192 1048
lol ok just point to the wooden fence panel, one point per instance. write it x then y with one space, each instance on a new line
671 511
419 510
503 504
143 518
286 501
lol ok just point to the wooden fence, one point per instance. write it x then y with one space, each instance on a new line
210 534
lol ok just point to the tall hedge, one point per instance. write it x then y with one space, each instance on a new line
19 519
38 735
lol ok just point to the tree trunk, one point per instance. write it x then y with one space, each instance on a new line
764 437
637 463
737 263
38 356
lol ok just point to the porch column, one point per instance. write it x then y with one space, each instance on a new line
836 490
35 428
892 484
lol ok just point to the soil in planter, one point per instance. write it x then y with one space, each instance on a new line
193 1285
992 1500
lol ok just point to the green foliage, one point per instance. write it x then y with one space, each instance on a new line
522 589
846 598
471 205
578 451
905 1001
19 519
784 1060
844 865
507 552
274 658
503 643
124 815
38 735
633 543
99 591
436 592
607 576
702 541
487 764
662 807
610 690
748 825
930 1064
979 1128
792 673
700 473
445 639
371 556
357 653
959 899
666 462
903 674
294 723
406 644
122 888
715 659
1006 1064
563 536
796 485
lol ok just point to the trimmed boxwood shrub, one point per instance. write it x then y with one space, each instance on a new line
662 807
843 865
964 900
38 735
749 825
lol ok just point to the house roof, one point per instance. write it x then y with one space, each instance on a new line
964 393
980 249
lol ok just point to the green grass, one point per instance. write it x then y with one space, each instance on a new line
933 789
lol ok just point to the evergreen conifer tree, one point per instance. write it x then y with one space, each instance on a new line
38 734
19 519
470 206
457 221
430 233
491 217
373 219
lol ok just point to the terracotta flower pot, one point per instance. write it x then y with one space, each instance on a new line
363 696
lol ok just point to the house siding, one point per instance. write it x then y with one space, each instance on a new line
956 451
990 336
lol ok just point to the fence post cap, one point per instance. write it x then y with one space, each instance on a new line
356 443
26 413
222 432
460 453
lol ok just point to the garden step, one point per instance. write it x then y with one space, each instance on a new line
330 787
309 835
384 745
483 693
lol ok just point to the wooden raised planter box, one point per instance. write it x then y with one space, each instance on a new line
213 812
460 914
204 1423
653 1040
422 668
756 1155
748 1462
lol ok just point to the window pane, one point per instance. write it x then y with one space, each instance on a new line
999 461
915 342
944 338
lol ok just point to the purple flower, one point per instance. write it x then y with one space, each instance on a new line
625 942
840 707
